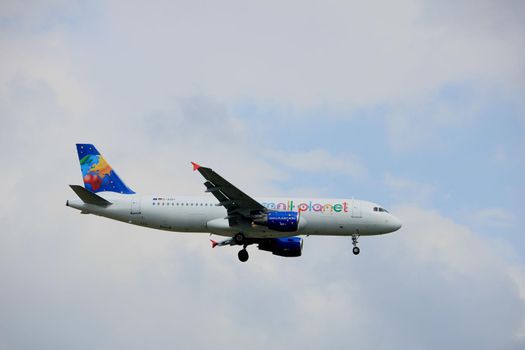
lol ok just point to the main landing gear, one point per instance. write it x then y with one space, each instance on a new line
240 239
356 249
243 255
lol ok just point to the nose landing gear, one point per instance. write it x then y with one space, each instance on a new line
356 249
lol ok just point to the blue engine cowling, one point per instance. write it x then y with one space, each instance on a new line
288 246
283 221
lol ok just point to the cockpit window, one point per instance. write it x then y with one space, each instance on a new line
380 209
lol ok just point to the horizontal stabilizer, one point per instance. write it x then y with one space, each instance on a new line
228 241
89 197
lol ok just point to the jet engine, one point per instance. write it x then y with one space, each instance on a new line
288 246
282 221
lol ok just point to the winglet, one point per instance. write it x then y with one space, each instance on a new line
213 243
195 166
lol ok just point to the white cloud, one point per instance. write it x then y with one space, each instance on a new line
348 55
440 246
406 191
321 161
519 279
45 58
133 287
148 84
495 217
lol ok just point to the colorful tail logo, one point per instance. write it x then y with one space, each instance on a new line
97 173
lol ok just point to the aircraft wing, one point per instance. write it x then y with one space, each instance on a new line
239 205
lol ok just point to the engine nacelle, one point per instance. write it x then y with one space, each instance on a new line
282 221
288 246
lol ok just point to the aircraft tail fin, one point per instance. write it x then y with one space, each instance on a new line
89 197
97 173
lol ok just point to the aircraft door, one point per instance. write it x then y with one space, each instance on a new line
356 209
135 205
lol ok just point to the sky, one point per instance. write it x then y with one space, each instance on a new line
414 104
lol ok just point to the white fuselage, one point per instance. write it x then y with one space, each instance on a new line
338 217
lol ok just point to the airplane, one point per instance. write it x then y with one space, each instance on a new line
273 224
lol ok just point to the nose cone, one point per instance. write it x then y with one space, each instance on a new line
395 224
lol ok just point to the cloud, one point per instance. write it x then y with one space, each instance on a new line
321 161
332 54
406 191
153 86
90 281
495 217
466 260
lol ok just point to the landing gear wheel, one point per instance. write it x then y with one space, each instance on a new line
239 238
356 250
243 255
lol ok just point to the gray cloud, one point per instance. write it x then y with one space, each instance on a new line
155 95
